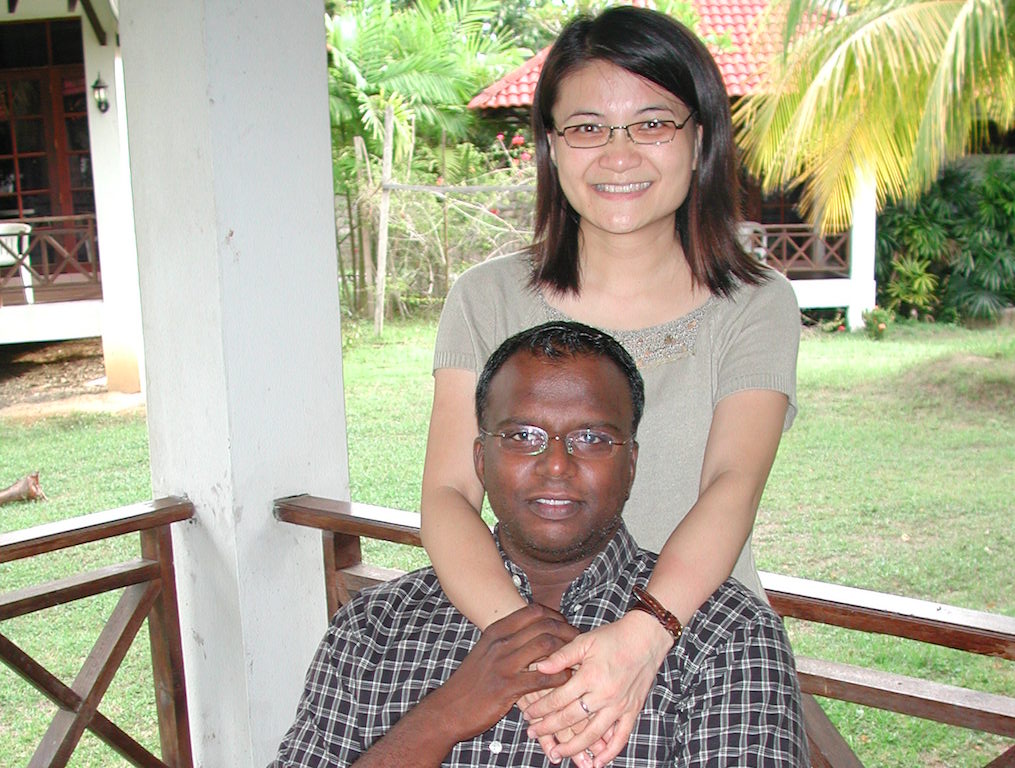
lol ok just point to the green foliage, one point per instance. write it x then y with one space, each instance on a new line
535 23
425 61
951 253
877 321
912 285
983 267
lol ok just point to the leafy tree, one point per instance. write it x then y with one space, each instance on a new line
424 61
898 87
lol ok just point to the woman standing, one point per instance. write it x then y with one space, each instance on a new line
636 233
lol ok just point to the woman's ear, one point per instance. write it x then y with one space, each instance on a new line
553 148
697 147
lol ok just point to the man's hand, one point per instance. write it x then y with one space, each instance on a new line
501 668
498 671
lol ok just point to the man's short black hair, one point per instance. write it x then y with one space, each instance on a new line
558 339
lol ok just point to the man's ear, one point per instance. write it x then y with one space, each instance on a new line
479 460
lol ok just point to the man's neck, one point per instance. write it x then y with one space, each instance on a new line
549 582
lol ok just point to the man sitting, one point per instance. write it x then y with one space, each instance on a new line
403 679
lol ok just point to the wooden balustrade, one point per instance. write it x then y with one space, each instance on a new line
149 592
62 253
344 523
798 251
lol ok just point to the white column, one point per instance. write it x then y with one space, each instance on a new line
122 346
231 173
862 283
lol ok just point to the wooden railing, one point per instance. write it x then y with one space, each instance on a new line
798 251
149 592
343 524
62 253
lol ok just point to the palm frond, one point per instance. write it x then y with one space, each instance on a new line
892 88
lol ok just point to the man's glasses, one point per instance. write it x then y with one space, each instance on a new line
592 135
526 440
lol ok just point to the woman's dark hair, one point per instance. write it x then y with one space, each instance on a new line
653 46
557 339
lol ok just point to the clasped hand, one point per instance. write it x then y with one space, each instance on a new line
501 668
614 667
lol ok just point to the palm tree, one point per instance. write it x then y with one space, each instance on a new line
893 89
425 62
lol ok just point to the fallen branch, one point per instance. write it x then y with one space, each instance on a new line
25 489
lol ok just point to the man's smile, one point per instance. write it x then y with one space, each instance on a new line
553 507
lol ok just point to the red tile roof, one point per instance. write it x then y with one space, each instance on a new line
515 89
739 64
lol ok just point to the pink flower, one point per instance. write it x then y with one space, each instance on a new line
500 137
440 180
494 211
841 328
525 156
517 140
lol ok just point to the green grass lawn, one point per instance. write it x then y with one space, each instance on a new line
898 475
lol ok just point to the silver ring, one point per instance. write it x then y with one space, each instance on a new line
584 706
591 754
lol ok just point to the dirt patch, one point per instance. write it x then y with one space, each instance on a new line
984 384
55 378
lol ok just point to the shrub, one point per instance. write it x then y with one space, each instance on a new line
877 321
951 254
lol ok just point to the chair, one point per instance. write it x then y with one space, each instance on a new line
754 239
14 250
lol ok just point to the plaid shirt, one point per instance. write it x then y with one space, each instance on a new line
725 695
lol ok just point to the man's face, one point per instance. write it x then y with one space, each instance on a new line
555 507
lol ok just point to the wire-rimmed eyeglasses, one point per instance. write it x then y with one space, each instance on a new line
528 440
592 135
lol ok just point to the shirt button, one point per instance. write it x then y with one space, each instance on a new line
516 580
496 747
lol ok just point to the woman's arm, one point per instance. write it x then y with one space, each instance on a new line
617 663
701 552
457 540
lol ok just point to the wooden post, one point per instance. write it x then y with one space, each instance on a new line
364 292
382 228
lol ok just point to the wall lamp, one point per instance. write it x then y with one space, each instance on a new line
99 89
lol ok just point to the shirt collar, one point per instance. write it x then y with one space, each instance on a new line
605 568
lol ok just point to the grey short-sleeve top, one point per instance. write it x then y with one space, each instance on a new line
727 345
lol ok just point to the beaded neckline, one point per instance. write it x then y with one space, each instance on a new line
656 344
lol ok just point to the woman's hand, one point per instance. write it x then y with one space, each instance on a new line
615 668
585 758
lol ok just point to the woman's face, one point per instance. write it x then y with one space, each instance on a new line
622 188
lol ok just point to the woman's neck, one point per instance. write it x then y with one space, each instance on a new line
630 283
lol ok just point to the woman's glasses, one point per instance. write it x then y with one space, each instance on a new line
527 440
592 135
